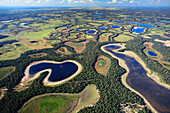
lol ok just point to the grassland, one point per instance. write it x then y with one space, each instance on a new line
104 37
123 38
61 103
102 65
5 71
51 104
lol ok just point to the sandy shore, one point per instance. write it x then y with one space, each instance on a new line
46 82
123 64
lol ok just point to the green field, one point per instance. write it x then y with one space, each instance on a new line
61 103
104 37
52 42
102 62
49 104
5 71
122 38
78 44
6 47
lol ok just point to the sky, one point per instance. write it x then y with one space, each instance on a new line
84 3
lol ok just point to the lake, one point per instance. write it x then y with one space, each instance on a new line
152 53
157 95
59 72
119 21
91 31
138 29
100 19
115 26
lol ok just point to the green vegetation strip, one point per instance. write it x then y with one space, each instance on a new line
5 71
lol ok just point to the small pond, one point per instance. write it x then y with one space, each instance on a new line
152 53
103 27
119 21
115 26
91 31
144 25
100 19
138 29
77 30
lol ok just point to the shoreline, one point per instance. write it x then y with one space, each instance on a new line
46 82
124 76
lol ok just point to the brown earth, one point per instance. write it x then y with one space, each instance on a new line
78 49
64 50
102 70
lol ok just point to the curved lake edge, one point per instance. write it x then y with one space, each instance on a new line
124 76
46 82
76 109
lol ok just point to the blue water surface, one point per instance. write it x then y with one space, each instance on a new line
139 30
119 21
152 53
91 31
115 26
100 19
102 27
144 25
77 30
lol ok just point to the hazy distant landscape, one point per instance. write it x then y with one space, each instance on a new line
86 60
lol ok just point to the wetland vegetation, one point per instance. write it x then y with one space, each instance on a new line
75 34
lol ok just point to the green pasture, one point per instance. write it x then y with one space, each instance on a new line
6 47
122 38
49 104
102 62
5 71
104 37
52 42
78 44
15 53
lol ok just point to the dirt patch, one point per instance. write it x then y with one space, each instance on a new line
64 50
78 49
37 55
102 69
2 92
131 108
166 43
160 55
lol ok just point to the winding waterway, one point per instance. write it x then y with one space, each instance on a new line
157 95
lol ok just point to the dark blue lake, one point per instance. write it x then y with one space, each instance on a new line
91 31
59 71
152 53
157 95
138 29
115 26
102 27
